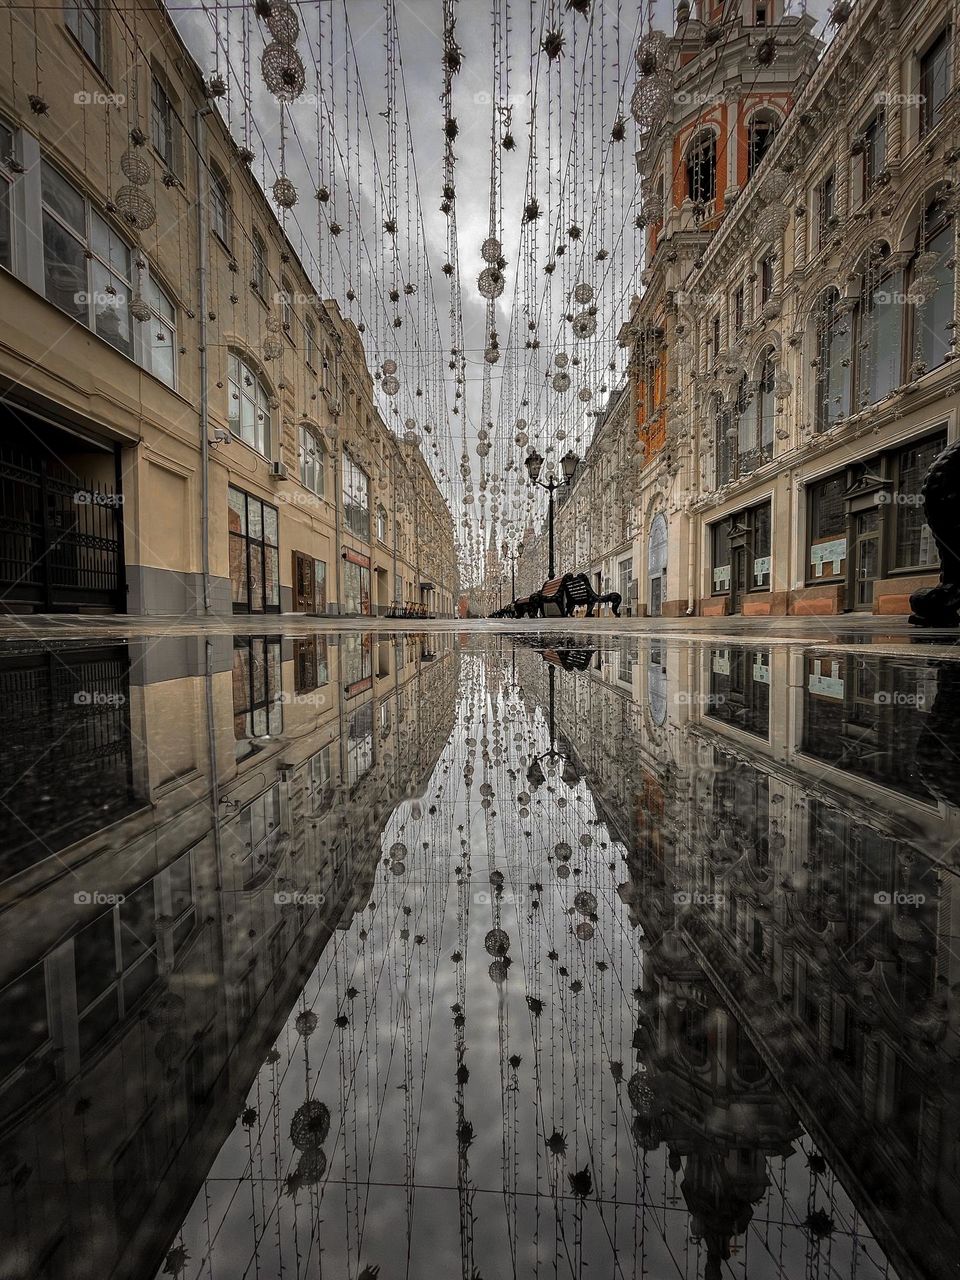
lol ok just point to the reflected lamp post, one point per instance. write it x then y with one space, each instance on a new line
568 463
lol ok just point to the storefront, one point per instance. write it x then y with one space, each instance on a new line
867 544
741 562
356 582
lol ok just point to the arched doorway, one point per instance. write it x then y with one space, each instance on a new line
657 565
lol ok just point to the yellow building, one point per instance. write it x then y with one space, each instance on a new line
188 426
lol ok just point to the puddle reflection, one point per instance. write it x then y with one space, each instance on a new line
394 955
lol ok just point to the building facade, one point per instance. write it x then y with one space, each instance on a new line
188 425
793 347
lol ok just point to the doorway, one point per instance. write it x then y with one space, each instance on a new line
866 556
657 565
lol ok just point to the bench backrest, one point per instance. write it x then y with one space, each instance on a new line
553 586
579 589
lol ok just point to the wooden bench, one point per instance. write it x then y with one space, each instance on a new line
579 591
522 607
552 595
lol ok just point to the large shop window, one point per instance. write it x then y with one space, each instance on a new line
356 582
254 554
740 689
742 553
89 273
248 404
257 701
885 536
356 498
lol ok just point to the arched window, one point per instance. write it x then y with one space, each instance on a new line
832 382
219 205
932 287
248 405
880 330
766 376
657 564
760 135
701 162
312 459
725 451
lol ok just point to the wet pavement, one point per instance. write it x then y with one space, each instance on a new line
488 953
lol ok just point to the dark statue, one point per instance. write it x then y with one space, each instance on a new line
939 606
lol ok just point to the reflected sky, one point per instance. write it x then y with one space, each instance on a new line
398 955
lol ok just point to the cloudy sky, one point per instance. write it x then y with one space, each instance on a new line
369 127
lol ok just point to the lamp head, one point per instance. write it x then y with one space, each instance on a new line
569 463
533 462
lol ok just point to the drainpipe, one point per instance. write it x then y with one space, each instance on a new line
202 202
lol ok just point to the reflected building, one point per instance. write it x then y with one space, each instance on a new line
189 821
789 829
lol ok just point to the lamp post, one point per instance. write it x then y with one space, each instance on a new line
513 557
533 462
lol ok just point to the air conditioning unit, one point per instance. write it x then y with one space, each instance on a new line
278 470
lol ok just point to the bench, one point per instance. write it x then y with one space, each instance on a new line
579 591
552 595
522 607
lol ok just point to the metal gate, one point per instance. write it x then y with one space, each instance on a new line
61 536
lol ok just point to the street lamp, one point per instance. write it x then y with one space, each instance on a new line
568 464
513 557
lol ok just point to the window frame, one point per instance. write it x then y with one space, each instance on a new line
246 368
78 10
169 154
307 436
701 150
928 118
220 212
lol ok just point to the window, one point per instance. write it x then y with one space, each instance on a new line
359 744
832 382
312 456
934 82
715 334
163 123
310 665
160 341
310 329
880 336
115 959
760 136
873 152
933 279
219 206
914 547
254 553
356 584
739 317
257 700
381 523
702 168
740 696
248 404
83 18
356 498
7 149
765 405
827 523
286 308
825 209
259 274
724 440
766 280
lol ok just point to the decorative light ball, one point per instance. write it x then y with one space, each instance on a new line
410 424
490 251
585 394
134 168
482 449
652 206
561 382
491 355
491 282
136 209
561 360
520 438
272 347
389 366
652 53
139 309
774 186
583 293
282 22
652 101
390 385
584 931
411 437
310 1125
782 386
584 326
306 1023
771 222
923 288
282 70
284 192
